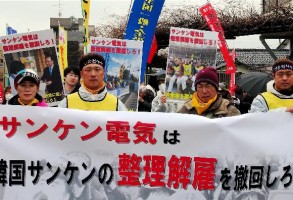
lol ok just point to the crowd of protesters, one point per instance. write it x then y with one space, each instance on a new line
85 89
212 99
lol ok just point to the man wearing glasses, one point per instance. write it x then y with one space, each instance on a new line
206 101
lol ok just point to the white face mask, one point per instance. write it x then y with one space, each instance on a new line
8 96
162 87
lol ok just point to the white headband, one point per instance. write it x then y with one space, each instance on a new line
93 61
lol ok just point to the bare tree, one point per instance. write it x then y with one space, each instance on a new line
237 18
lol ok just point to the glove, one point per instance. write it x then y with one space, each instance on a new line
236 101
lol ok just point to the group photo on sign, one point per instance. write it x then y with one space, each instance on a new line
163 102
189 52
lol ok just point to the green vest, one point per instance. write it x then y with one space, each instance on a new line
109 103
274 101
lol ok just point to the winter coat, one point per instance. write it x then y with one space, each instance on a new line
259 104
220 108
245 101
87 96
76 88
41 103
146 106
157 106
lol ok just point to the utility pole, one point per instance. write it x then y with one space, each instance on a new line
59 13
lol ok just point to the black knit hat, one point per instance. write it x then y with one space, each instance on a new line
91 59
208 74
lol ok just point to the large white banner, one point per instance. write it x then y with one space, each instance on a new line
54 153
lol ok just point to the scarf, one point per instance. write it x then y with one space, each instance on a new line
93 91
33 102
199 105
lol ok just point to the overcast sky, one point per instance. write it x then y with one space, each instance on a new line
34 15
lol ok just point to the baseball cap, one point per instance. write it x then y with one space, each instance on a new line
27 74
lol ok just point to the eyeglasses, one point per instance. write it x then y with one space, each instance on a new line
200 87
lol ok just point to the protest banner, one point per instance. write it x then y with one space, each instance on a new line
232 82
36 51
85 7
153 50
141 26
123 61
189 51
62 49
210 15
154 155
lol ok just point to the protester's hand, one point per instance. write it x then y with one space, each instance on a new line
49 82
289 109
140 99
163 99
236 101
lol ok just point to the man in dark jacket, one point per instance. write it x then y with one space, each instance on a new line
206 101
244 98
52 78
145 99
